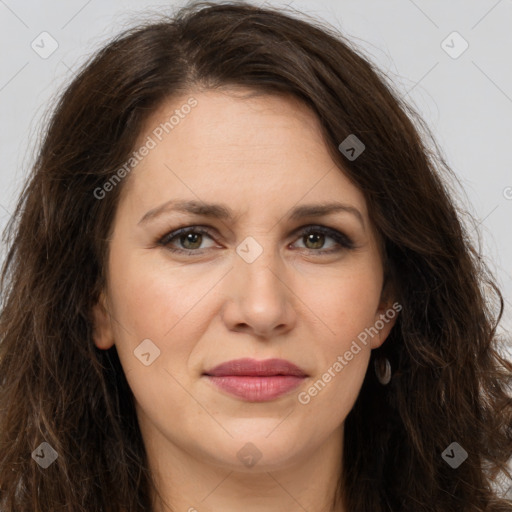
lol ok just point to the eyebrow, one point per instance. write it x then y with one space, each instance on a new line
220 211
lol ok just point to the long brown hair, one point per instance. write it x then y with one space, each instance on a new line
449 383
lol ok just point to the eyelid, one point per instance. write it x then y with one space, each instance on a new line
343 241
204 230
339 236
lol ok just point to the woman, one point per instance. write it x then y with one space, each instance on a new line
236 277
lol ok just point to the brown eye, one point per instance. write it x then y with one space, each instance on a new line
316 240
192 238
189 240
185 239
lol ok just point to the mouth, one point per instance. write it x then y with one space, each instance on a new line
256 381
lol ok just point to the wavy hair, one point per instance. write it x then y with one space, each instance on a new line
451 382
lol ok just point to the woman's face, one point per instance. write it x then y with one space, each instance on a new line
252 173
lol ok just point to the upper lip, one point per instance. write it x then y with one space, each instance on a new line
254 368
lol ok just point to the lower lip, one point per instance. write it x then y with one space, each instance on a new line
257 389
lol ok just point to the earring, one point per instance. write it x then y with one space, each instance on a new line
382 370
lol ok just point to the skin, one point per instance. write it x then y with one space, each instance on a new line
261 157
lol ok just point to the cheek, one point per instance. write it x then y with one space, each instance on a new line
345 303
160 306
156 301
163 303
347 307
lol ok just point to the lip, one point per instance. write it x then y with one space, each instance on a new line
255 368
256 381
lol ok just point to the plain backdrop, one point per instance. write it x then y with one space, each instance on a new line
461 83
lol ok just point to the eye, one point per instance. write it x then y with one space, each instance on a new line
314 239
190 239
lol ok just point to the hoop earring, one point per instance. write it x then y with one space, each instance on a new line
382 368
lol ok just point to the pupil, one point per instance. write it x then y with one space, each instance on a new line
319 240
191 237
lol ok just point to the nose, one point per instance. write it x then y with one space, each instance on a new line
259 300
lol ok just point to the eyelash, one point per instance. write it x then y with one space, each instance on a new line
343 241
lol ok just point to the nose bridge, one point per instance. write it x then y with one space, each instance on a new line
260 299
258 262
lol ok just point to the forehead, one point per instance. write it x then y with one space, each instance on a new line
235 122
238 148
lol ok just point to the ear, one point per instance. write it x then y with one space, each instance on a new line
386 315
102 325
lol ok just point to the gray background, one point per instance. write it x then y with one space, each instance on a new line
467 101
